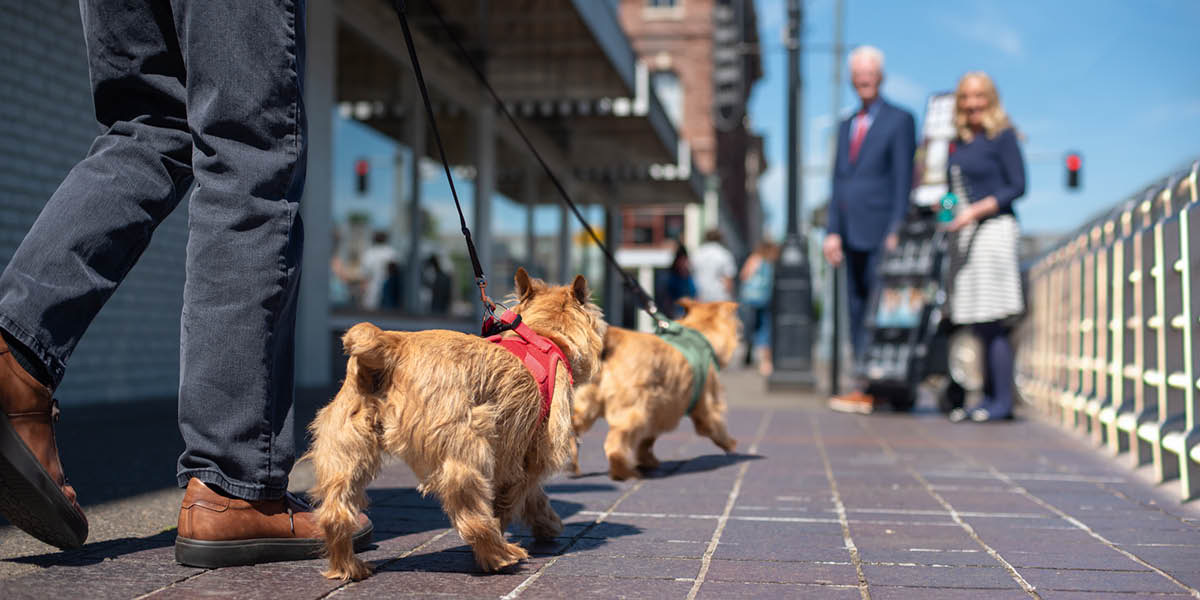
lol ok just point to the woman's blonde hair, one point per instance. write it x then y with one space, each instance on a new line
995 119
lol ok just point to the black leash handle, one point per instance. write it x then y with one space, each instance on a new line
480 277
631 283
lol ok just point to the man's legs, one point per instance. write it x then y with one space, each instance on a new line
860 279
88 236
245 63
245 109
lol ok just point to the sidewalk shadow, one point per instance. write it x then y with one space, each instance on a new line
98 552
698 464
460 558
579 488
158 547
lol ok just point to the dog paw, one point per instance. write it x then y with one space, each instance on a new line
544 532
355 570
623 473
507 556
648 463
729 446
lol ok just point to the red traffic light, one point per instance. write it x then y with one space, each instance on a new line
1074 167
361 167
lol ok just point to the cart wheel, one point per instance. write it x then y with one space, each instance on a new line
903 400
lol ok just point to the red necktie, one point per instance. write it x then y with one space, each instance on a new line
860 131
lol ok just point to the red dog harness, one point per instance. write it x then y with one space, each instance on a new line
540 355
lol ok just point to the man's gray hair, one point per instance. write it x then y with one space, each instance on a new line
868 53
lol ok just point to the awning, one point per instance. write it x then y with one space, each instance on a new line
565 69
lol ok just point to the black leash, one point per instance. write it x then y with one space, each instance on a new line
480 278
631 284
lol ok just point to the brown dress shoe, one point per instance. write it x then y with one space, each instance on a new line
218 531
34 493
854 402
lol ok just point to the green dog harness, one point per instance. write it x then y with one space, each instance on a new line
694 347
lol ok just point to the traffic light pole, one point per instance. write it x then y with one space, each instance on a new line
791 339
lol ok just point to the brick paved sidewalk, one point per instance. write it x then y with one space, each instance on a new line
815 504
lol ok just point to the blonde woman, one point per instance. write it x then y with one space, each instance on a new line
988 174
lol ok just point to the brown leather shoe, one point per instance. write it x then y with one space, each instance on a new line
34 493
854 402
218 531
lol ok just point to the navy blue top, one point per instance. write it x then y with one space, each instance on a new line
991 167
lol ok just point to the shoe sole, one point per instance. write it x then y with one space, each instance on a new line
851 408
213 555
31 500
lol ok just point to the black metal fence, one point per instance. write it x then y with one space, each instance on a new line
1109 349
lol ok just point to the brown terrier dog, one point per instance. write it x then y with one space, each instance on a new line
644 387
465 414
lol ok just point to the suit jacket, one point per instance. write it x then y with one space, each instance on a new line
870 195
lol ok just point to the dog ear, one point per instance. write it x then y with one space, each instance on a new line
729 308
579 288
687 304
524 285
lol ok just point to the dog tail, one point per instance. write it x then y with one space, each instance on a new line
365 344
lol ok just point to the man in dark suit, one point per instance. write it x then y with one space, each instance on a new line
871 181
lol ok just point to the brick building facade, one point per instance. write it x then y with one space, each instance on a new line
676 40
47 123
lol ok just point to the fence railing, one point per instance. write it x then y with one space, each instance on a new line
1109 349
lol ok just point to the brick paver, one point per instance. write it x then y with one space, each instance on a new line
814 505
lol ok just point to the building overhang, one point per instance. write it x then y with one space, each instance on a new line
565 70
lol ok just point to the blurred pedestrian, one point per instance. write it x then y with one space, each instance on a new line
375 261
985 276
757 281
714 269
871 182
209 93
341 274
438 283
680 283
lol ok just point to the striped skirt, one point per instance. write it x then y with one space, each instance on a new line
984 272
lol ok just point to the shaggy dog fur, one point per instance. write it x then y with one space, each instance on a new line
644 386
464 413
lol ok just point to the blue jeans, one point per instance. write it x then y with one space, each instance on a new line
205 92
760 337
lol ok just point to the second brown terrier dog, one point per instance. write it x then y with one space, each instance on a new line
645 385
465 414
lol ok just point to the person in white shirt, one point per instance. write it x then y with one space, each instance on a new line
375 261
713 268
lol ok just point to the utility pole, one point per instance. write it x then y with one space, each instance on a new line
791 342
835 342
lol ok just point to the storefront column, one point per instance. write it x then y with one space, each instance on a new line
314 341
564 245
529 190
614 298
416 143
485 185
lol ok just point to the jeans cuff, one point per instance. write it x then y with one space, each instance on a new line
55 367
251 492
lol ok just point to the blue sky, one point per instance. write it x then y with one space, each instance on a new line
1116 80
